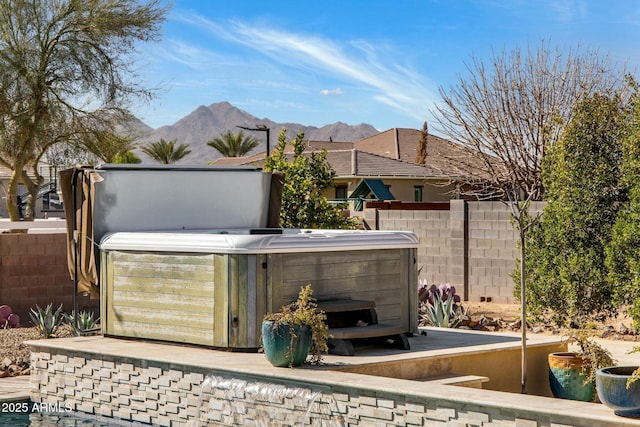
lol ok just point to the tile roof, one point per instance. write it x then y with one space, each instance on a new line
360 163
353 163
401 144
388 153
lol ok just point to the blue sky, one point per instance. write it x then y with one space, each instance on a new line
367 61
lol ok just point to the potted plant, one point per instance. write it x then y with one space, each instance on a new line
619 389
572 374
294 332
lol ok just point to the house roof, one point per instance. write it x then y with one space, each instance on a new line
353 163
401 144
361 163
375 186
391 153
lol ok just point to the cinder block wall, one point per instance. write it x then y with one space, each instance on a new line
33 270
472 246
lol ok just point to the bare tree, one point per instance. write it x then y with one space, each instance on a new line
510 112
506 115
64 66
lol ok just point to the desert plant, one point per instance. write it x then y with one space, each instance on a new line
83 324
440 306
592 354
8 319
46 320
304 311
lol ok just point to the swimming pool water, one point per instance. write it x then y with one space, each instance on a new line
28 414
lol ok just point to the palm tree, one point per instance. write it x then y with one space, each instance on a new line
230 145
166 152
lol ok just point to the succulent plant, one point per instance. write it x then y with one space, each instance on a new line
83 324
440 306
8 319
46 320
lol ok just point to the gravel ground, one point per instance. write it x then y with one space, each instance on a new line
13 352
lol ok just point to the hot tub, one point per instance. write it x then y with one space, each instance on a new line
193 254
212 287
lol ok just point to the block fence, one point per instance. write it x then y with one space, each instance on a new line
473 246
33 270
169 394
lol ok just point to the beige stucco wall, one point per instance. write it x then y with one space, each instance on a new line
402 189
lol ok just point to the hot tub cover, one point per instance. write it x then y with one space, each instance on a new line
244 242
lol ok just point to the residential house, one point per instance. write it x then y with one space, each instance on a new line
382 167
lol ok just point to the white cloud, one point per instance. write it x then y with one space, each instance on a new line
327 92
568 10
377 72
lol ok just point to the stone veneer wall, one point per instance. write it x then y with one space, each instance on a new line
472 246
176 395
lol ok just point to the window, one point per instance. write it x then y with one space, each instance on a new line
341 191
417 193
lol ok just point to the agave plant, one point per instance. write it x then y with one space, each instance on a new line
83 324
46 320
440 306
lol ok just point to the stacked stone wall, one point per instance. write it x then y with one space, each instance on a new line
167 394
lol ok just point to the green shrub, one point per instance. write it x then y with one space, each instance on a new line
566 274
623 251
307 176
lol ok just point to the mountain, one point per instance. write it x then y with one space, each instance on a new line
206 123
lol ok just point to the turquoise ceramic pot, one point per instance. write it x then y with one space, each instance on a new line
281 348
611 385
566 379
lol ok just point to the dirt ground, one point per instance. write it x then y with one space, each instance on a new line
508 312
619 327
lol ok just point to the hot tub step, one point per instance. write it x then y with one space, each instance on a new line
341 343
369 331
342 305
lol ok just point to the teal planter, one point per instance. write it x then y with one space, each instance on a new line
611 384
566 379
281 348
